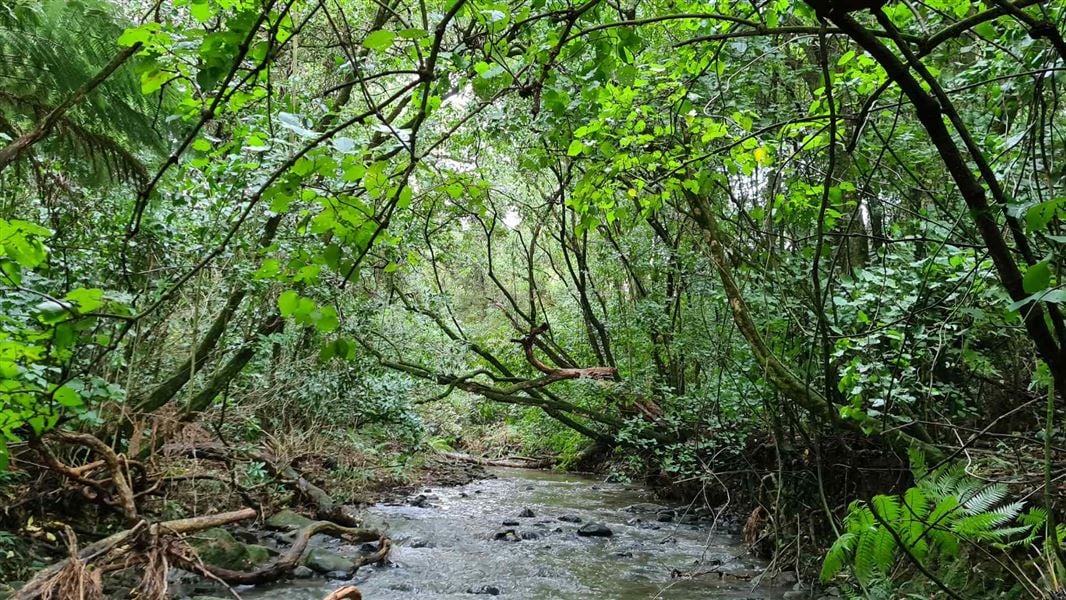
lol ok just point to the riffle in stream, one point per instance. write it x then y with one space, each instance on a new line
446 549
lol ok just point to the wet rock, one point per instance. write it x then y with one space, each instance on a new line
420 543
337 575
370 548
420 501
570 518
511 523
324 561
594 530
302 572
643 507
402 587
463 494
287 520
506 534
526 513
489 590
528 535
784 578
664 516
217 547
257 555
245 536
529 487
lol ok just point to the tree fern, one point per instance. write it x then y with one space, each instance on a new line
48 48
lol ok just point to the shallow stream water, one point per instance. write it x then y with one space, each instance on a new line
446 550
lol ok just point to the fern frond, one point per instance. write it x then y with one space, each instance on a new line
839 553
983 499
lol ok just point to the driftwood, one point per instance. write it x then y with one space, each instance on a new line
125 540
288 561
516 462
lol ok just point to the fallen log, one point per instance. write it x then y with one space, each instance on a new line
513 462
41 582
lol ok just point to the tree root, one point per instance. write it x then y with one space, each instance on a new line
284 564
112 548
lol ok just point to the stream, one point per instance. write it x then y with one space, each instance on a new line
446 548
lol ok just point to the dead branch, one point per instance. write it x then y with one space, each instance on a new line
515 462
126 500
557 374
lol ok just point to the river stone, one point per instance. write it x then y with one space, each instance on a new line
256 555
528 535
664 516
510 523
506 534
570 518
287 520
641 507
324 561
302 572
594 530
489 590
339 574
217 547
526 513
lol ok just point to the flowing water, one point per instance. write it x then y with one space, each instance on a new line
446 550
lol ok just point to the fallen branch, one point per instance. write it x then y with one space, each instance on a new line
557 374
516 462
285 563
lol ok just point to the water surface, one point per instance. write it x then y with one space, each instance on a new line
447 550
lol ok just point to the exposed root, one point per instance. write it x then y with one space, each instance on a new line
76 579
285 563
115 552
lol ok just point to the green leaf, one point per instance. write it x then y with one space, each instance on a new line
379 40
576 147
328 320
67 397
1037 278
201 10
288 303
86 299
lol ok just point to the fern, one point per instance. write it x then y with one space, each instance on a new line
932 520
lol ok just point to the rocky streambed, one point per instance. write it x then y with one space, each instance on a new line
532 535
